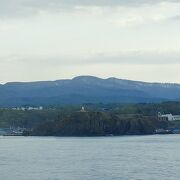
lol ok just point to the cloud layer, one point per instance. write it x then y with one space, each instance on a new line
65 38
12 8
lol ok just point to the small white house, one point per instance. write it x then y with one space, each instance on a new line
83 109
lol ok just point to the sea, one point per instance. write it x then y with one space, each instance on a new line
153 157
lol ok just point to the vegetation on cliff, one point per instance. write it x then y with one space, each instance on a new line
96 124
99 119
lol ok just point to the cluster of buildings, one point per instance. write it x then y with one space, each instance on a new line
168 117
28 108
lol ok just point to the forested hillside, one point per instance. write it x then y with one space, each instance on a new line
86 89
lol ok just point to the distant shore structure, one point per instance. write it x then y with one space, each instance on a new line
168 117
40 108
82 109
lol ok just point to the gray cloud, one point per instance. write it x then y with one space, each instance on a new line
138 58
135 57
175 18
146 66
25 7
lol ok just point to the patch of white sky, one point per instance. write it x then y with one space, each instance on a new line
132 42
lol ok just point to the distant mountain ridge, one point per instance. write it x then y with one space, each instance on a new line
86 89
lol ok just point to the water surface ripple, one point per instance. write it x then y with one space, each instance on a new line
88 158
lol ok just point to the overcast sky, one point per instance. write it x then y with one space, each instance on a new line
55 39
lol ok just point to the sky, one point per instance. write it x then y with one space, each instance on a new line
59 39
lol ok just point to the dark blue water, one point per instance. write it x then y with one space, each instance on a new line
103 158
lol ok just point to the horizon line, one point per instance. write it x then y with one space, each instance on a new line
102 78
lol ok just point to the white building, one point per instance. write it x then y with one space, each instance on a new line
168 117
35 108
83 109
176 117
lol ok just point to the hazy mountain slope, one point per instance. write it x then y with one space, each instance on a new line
85 89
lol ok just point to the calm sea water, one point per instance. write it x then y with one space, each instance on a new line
102 158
